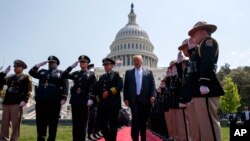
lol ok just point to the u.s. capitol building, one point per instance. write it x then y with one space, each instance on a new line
129 41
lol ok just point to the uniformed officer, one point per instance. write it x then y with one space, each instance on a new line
202 81
50 95
92 122
173 101
19 87
182 68
168 112
108 89
81 95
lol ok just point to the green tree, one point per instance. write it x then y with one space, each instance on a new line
223 72
231 100
241 77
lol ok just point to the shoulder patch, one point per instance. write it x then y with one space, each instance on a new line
209 42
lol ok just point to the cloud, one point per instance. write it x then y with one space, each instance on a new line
237 58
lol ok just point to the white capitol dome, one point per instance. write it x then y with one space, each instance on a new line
132 40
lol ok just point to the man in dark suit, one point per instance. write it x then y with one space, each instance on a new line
139 94
245 116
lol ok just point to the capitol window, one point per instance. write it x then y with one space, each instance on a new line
124 46
132 46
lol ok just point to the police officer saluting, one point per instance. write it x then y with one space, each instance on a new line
19 87
202 81
50 94
81 95
108 89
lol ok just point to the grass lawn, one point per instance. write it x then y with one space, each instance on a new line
28 133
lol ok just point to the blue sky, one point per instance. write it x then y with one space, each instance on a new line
31 30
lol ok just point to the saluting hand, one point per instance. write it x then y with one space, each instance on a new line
41 64
7 70
1 68
168 73
191 43
105 94
179 57
75 64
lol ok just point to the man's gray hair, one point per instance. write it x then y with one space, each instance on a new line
137 56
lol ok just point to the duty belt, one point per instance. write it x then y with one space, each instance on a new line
45 85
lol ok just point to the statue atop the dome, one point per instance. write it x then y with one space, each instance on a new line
132 7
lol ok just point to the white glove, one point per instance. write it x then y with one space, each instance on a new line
204 90
22 104
7 70
63 102
168 73
1 68
90 102
191 43
181 105
179 57
75 64
41 64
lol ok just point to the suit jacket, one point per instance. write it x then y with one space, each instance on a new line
243 117
148 88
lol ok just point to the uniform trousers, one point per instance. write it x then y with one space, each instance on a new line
192 122
170 121
208 120
47 115
181 125
11 118
108 122
79 119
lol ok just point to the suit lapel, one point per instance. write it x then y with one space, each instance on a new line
133 80
133 76
143 77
